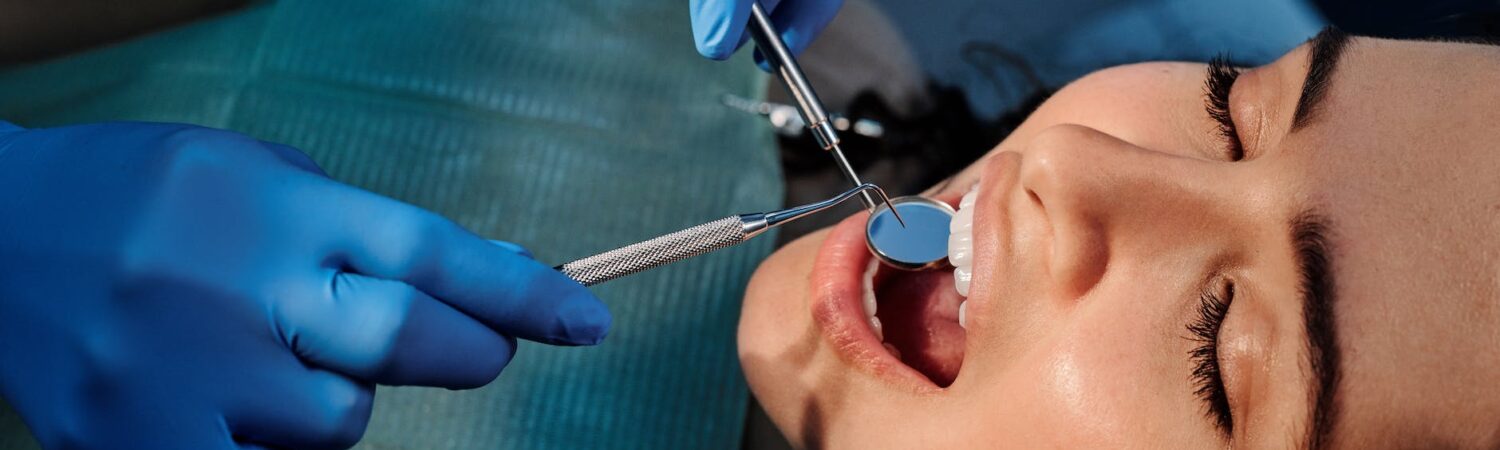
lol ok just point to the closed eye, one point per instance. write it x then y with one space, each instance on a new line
1207 379
1216 88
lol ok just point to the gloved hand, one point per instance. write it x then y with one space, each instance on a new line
176 287
719 25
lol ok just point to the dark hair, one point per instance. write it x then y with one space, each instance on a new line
1465 20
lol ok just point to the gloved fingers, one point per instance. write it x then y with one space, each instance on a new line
800 21
506 291
6 127
295 157
719 25
387 332
303 408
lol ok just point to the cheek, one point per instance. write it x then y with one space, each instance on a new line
1094 380
1102 378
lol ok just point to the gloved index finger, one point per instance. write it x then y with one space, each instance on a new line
719 25
509 292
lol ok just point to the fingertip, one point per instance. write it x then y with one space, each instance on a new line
715 50
801 22
489 365
794 42
760 61
583 320
514 248
295 157
719 27
719 46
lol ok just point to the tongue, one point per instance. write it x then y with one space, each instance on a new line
919 315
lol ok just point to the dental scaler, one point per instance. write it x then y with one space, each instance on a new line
673 247
779 57
921 246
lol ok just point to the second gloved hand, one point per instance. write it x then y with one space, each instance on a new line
176 287
719 25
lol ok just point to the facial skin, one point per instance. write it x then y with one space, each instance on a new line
1104 218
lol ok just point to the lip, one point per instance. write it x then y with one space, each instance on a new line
837 293
993 233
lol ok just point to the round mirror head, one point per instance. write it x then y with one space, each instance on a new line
921 244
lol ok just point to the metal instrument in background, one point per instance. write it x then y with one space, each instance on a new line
697 240
779 57
789 123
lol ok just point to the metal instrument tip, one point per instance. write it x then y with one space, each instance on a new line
887 200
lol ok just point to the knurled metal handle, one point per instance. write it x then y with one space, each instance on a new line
656 252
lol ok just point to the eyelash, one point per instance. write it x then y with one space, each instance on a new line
1207 380
1216 87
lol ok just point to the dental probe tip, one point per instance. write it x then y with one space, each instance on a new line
887 200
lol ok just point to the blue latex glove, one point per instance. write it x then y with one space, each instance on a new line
176 287
719 25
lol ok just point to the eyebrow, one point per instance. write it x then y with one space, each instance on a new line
1309 236
1323 55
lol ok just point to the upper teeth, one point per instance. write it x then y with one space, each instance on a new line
960 254
869 300
961 248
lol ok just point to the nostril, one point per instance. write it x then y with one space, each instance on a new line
1065 173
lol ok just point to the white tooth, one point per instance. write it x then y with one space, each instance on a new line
963 306
963 220
879 330
961 278
961 248
968 199
869 289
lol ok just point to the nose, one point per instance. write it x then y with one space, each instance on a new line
1105 198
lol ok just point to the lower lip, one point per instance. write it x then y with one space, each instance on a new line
837 292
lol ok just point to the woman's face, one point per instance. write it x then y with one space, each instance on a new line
1327 279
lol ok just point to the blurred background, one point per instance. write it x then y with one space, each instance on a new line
462 105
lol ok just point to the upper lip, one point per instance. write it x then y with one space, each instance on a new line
993 227
837 291
1072 257
993 245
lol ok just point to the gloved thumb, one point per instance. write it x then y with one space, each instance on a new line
514 248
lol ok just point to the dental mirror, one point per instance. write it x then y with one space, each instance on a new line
921 244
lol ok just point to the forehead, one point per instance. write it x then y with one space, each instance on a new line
1403 161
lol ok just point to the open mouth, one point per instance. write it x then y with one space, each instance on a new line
908 323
